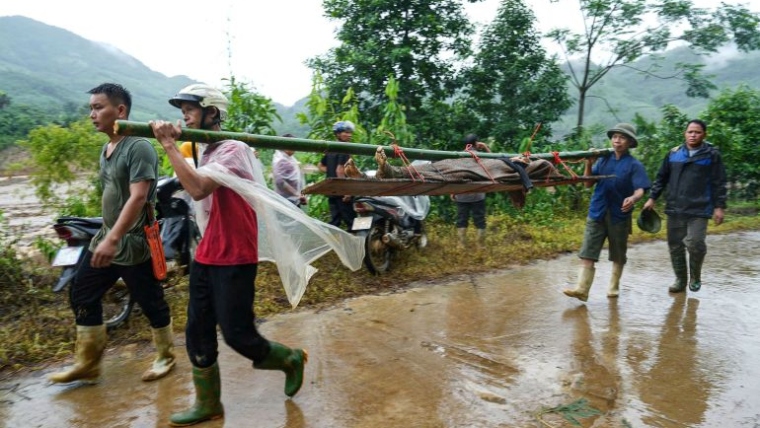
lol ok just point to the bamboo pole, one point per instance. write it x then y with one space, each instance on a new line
142 129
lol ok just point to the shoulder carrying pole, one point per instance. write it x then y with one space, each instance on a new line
142 129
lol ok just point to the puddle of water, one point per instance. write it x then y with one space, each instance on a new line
479 351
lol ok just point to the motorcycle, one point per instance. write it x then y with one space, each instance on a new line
179 235
179 232
389 224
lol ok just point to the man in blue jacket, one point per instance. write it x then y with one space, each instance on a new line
696 179
609 213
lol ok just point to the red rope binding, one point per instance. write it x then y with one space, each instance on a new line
399 153
559 161
530 141
468 149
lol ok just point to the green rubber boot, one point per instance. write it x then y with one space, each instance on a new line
207 406
695 272
290 361
678 260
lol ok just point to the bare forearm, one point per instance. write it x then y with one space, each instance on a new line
197 186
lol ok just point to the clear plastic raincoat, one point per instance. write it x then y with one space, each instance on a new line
287 236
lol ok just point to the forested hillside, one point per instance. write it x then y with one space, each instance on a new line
51 68
627 91
45 72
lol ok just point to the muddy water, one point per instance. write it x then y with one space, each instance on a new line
26 216
479 351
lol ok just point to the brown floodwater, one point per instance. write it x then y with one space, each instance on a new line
489 350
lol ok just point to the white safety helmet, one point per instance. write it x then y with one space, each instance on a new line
343 126
204 95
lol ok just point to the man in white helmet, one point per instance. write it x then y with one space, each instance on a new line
226 260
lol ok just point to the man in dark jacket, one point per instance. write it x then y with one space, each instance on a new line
341 207
696 179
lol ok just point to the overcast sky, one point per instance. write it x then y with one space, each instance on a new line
264 43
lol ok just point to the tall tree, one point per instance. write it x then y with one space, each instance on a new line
249 111
5 100
416 42
733 119
618 32
513 84
61 154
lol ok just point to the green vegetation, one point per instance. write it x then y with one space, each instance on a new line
578 409
513 84
623 31
425 48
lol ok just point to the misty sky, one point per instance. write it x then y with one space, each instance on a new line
264 43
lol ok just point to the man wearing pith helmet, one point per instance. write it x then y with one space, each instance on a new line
609 213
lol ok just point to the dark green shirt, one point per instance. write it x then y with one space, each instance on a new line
133 160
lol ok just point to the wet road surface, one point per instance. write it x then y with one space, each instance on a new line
490 350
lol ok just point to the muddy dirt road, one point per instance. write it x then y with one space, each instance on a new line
479 351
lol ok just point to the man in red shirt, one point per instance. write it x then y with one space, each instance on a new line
223 274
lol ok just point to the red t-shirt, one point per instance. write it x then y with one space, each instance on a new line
231 236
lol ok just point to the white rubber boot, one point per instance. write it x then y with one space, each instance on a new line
481 238
617 272
462 236
164 362
585 278
91 341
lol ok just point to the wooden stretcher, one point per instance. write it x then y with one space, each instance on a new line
407 187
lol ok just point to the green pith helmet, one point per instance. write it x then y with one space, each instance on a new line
649 221
626 129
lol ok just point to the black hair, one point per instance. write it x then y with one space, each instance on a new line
115 93
471 139
288 135
698 122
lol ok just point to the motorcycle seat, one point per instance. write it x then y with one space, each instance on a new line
96 222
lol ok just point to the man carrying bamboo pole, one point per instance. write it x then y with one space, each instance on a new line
234 200
609 213
341 207
471 204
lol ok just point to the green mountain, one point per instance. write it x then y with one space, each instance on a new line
626 91
51 69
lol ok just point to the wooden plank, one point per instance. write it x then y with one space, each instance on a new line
401 187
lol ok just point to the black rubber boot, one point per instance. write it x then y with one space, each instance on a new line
678 260
695 271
